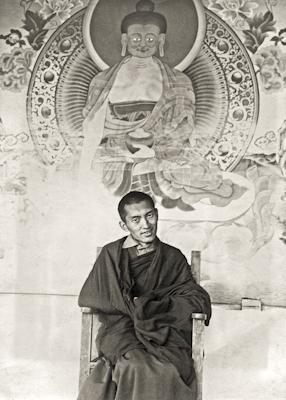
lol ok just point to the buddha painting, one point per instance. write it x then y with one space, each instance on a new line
139 122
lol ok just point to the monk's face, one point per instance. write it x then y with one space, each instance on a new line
143 40
141 221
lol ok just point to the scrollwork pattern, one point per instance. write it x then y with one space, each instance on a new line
243 95
42 116
226 146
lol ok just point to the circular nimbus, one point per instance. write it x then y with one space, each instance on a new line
222 75
101 30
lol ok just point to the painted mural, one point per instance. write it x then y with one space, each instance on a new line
209 143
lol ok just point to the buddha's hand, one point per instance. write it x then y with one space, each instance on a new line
140 141
143 152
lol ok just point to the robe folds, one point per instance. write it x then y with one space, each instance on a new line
157 323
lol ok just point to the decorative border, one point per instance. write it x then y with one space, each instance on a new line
61 76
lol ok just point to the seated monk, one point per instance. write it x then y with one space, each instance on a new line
140 119
143 293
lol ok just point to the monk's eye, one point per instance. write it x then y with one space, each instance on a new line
150 215
135 220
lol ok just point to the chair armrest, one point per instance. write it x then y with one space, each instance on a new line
199 316
86 310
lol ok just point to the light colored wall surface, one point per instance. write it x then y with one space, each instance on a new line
40 345
49 230
40 342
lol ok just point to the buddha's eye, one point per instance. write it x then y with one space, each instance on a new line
136 38
150 39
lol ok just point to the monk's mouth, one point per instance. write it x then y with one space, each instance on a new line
149 233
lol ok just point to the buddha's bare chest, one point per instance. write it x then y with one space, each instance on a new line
137 84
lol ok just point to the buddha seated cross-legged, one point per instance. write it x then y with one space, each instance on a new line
140 119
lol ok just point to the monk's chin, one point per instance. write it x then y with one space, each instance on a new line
147 238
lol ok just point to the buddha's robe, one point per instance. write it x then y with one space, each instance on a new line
153 97
147 97
144 304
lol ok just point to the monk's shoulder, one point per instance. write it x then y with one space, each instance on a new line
172 251
113 246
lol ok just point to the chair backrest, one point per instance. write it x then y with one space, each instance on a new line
196 265
90 327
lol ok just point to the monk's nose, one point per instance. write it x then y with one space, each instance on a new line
145 223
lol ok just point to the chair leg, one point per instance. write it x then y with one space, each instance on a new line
198 350
85 352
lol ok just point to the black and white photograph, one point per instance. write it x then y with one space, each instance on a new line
142 199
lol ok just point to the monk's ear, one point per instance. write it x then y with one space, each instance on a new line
123 226
124 41
162 39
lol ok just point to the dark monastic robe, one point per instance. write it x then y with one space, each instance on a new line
158 322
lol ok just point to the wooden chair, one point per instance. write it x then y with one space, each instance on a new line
90 327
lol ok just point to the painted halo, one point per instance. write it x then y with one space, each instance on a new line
222 75
103 18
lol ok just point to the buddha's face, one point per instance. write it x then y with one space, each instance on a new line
143 40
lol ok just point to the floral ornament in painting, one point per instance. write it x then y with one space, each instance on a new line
271 3
15 69
282 222
234 12
280 214
44 15
281 38
13 38
35 25
271 63
281 149
267 142
240 239
259 28
26 4
276 159
12 179
59 10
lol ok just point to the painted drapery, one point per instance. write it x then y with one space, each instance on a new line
42 95
42 57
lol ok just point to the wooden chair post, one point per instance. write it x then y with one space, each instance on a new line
198 350
88 334
196 265
198 328
86 343
89 327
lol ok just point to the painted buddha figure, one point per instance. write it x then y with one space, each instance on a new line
140 118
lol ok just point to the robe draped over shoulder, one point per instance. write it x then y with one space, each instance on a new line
169 161
171 121
159 321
